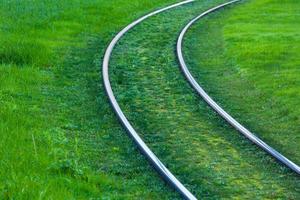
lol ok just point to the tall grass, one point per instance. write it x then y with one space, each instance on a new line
55 123
58 136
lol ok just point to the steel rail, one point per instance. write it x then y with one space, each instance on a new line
159 166
244 131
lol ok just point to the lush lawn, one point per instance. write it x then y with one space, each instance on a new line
212 158
249 61
58 136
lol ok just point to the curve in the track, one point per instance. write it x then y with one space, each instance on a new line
158 165
252 137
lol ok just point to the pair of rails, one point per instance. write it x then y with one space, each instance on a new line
156 163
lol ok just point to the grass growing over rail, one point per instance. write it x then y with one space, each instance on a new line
249 61
58 136
208 155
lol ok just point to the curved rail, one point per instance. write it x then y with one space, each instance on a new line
252 137
159 166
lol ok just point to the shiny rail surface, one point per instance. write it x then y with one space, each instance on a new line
159 166
252 137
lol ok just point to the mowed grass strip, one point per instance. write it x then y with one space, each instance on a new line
214 160
249 62
58 136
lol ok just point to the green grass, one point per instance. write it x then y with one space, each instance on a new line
59 138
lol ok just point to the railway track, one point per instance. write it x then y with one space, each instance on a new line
153 159
244 131
157 164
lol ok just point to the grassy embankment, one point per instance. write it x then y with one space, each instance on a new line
207 154
59 138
